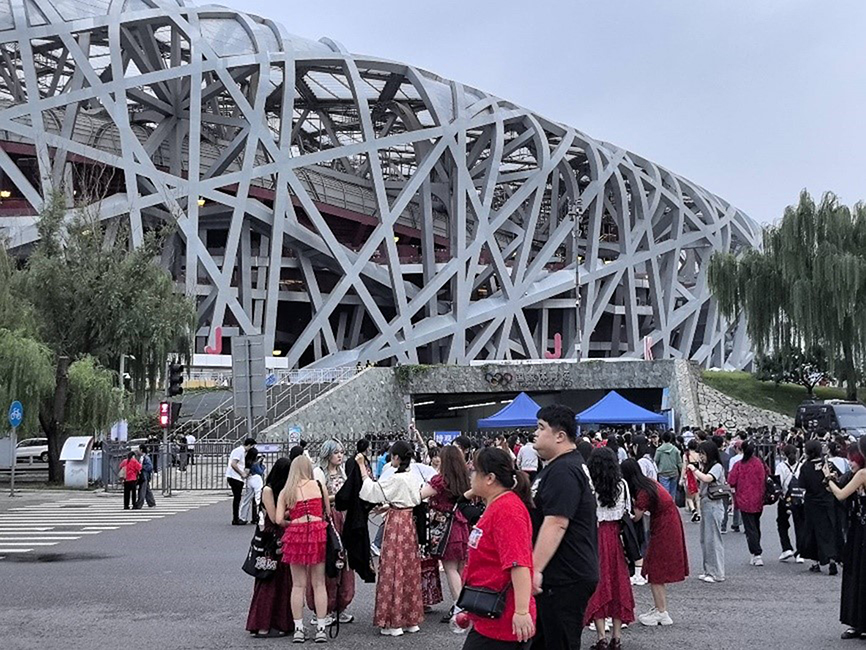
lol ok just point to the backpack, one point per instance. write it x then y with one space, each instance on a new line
796 491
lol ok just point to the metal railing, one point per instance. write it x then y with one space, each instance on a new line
201 468
291 390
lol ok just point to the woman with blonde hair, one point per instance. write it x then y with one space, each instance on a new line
301 509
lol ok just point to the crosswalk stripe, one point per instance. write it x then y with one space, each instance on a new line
29 528
4 540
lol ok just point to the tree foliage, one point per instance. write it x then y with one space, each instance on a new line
95 402
26 375
794 366
84 298
807 287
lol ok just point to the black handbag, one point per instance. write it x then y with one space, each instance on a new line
628 534
470 510
335 558
716 491
263 557
482 601
439 530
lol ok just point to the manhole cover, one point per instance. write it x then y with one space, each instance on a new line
33 558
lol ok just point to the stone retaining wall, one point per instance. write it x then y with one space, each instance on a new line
718 408
370 401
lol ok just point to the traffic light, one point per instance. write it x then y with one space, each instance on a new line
164 414
175 379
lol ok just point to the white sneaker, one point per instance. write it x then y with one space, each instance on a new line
391 631
758 561
786 555
299 636
708 579
328 620
638 580
655 617
346 618
412 629
701 576
798 559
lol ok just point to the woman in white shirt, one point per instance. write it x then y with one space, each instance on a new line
613 597
399 604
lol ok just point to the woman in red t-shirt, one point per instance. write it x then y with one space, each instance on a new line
129 471
500 552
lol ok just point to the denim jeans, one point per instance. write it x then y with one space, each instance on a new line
669 483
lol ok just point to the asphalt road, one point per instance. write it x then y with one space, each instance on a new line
176 583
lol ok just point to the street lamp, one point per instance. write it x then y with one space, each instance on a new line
575 211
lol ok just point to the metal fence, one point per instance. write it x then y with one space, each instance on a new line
202 468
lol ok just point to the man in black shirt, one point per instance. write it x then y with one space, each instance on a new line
564 533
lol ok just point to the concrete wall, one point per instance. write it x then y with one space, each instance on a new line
369 402
589 375
376 399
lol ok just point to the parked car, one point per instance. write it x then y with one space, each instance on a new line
832 415
32 449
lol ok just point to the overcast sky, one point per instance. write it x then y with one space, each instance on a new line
752 99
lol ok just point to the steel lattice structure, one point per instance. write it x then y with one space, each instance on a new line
349 207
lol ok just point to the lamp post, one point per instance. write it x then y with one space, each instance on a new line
575 211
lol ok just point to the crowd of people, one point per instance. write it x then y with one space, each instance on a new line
540 534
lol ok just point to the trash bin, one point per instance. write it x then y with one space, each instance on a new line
76 452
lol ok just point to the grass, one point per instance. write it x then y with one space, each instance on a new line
783 398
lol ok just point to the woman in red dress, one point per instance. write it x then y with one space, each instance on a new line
666 560
444 489
301 508
613 597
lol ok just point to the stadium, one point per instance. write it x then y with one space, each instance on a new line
350 208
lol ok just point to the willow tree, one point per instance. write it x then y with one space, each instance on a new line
91 298
807 287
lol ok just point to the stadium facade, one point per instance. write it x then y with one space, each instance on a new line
352 208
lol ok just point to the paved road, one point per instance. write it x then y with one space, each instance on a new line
176 583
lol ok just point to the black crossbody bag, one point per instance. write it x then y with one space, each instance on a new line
482 601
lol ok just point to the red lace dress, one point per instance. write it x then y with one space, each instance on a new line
304 541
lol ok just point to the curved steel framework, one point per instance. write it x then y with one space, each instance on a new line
352 208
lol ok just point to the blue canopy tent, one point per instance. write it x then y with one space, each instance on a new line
613 408
520 413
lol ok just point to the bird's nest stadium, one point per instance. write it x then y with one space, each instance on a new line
351 208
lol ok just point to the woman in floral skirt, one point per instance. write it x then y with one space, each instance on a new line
399 606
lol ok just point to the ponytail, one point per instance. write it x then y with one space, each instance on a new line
403 451
493 460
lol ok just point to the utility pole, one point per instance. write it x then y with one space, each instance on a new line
575 212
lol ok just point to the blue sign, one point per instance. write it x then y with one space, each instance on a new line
16 414
445 437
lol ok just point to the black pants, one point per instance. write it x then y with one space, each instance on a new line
560 616
129 494
237 492
475 641
783 525
752 526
